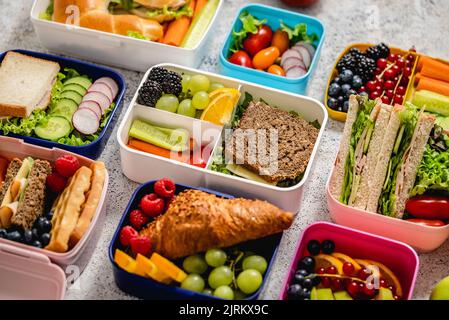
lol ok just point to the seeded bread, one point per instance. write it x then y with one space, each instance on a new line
11 172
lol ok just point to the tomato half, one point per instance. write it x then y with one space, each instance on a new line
241 58
428 207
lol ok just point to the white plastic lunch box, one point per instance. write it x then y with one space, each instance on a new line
112 49
27 272
141 167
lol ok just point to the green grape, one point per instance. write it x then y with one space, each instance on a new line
200 100
168 102
194 264
185 82
193 282
198 83
216 257
224 292
215 86
186 109
208 291
249 281
255 262
221 276
239 295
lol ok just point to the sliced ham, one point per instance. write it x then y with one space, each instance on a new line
92 105
110 83
85 121
104 89
100 98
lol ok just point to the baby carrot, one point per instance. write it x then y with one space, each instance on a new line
178 28
199 6
433 85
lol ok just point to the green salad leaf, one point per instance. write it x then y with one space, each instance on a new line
299 33
137 35
249 25
170 13
48 13
22 126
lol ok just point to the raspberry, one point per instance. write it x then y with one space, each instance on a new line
165 188
56 182
67 165
126 234
138 219
152 205
140 245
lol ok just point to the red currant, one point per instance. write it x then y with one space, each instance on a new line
331 270
371 85
368 291
392 289
362 89
379 89
396 69
392 57
404 81
408 63
385 99
398 99
389 85
412 49
363 273
353 289
397 297
336 284
411 57
407 71
389 74
377 71
400 90
321 271
348 268
382 63
383 283
400 63
374 95
326 282
389 94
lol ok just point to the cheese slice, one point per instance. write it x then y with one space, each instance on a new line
247 174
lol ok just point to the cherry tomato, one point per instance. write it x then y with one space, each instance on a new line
280 40
258 41
276 69
426 222
241 58
265 58
428 207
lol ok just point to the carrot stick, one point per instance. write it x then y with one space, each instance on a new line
433 85
199 6
3 167
435 69
151 148
178 28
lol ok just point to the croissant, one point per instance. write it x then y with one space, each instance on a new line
197 221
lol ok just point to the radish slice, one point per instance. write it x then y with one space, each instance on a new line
99 98
92 105
290 54
308 46
104 89
96 115
295 72
305 55
292 62
110 83
85 121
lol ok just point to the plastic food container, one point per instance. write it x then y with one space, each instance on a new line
94 149
146 288
399 257
27 272
113 49
273 16
341 116
140 166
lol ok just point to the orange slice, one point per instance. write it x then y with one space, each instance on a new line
220 108
345 258
217 92
146 267
325 261
124 261
388 275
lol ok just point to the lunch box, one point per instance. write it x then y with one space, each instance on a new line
113 49
94 149
27 272
273 16
147 288
140 166
397 256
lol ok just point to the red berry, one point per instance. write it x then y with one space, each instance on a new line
56 182
408 63
140 245
382 63
353 289
389 94
377 71
411 57
326 282
396 79
348 268
368 291
152 205
389 85
67 165
383 283
389 74
321 271
331 270
395 297
412 49
380 82
392 57
362 89
404 81
374 95
336 284
407 71
396 69
371 85
398 99
400 90
126 234
400 63
138 219
165 188
385 99
392 289
379 89
363 274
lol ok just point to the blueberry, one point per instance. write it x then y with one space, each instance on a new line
308 283
349 93
337 79
39 222
345 106
35 233
14 236
316 281
37 244
314 247
49 215
340 109
332 103
307 263
334 90
305 293
345 88
346 76
357 82
28 236
341 101
328 246
43 225
294 292
45 239
3 233
298 279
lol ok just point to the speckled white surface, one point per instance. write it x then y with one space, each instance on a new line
401 23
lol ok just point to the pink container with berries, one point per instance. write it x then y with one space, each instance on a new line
27 272
398 257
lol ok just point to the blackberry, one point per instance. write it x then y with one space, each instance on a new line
158 74
172 83
149 93
377 52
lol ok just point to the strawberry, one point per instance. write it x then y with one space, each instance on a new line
138 219
126 234
165 188
56 182
152 205
67 165
140 245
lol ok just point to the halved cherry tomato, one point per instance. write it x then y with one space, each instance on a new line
428 207
427 222
241 58
258 41
265 58
280 40
276 69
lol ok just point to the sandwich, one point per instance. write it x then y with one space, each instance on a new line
159 10
379 155
25 84
22 194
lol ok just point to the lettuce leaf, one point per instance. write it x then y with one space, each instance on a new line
22 126
170 13
48 13
249 25
298 33
136 35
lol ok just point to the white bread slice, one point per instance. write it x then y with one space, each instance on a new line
24 84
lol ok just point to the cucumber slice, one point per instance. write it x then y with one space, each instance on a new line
65 108
72 95
75 87
53 128
82 81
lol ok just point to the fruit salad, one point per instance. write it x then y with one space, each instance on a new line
327 274
286 52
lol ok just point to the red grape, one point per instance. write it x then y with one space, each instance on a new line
389 84
374 95
400 90
331 270
371 85
392 57
382 63
348 268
